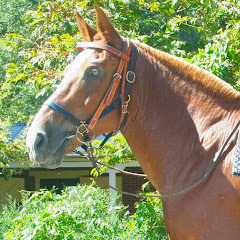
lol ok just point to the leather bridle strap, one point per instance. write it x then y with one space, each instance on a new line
124 102
129 79
107 99
105 105
102 46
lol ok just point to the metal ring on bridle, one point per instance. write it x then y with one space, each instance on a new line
83 131
130 74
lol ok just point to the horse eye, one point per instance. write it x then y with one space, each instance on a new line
95 72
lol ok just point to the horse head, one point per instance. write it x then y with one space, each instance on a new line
84 87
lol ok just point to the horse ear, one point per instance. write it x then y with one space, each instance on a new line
107 33
87 31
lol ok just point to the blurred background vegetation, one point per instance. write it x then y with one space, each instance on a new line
38 39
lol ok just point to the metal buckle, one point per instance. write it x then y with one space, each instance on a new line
85 129
132 74
117 75
78 131
125 106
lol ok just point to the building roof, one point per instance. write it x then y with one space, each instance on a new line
17 129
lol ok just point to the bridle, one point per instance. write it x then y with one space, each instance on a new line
124 74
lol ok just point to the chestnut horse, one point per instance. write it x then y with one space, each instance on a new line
179 117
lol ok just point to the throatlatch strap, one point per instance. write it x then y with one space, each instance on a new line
131 70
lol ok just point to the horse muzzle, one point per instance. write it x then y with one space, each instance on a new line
45 149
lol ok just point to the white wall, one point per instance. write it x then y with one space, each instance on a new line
12 187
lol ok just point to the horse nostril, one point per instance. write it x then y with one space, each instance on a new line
41 141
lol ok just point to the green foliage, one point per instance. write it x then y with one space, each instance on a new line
116 150
7 214
32 56
82 212
221 56
11 150
149 213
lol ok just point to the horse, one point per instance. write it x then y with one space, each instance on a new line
175 117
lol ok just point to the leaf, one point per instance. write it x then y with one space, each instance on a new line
174 2
86 193
47 64
151 209
65 53
140 220
3 146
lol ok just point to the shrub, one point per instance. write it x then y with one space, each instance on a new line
82 212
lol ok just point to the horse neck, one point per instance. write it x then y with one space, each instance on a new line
175 123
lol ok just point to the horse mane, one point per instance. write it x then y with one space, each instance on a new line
208 81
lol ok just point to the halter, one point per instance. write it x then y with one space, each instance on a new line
124 74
